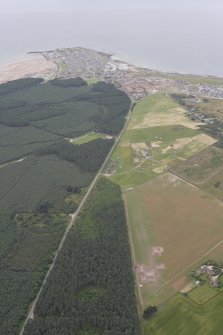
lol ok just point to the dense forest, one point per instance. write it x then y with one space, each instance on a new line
87 157
91 289
43 176
39 113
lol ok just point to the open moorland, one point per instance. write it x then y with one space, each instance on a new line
169 166
44 175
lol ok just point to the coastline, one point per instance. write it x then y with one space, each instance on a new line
38 64
31 65
136 64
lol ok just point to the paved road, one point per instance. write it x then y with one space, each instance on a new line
74 216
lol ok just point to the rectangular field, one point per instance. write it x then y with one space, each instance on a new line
88 138
173 227
201 167
160 110
199 313
214 184
181 316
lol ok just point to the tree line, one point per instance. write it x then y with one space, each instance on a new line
87 156
91 289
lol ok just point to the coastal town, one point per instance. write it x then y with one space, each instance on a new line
135 81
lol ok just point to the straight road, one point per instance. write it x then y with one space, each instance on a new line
74 216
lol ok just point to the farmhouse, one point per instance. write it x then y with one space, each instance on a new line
207 269
213 273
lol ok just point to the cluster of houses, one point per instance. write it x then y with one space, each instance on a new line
213 273
199 117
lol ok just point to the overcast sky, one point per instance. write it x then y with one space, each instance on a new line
173 35
15 6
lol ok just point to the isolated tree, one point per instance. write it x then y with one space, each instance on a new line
149 312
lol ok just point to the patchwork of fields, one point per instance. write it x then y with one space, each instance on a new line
53 138
148 150
170 171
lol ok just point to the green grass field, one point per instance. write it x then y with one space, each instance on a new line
153 103
168 134
180 316
203 293
165 143
88 138
167 213
92 81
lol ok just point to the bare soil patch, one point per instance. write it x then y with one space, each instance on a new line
204 139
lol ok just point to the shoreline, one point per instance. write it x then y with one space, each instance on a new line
31 65
113 56
136 64
37 64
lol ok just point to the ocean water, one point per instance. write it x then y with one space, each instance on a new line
187 41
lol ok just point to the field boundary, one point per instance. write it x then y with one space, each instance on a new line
205 302
196 187
140 306
189 266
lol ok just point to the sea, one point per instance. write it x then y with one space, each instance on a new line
173 40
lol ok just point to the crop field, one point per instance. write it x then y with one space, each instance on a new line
203 293
197 313
182 316
160 110
170 171
148 148
214 184
173 226
201 167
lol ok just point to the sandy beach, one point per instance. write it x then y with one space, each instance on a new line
33 65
